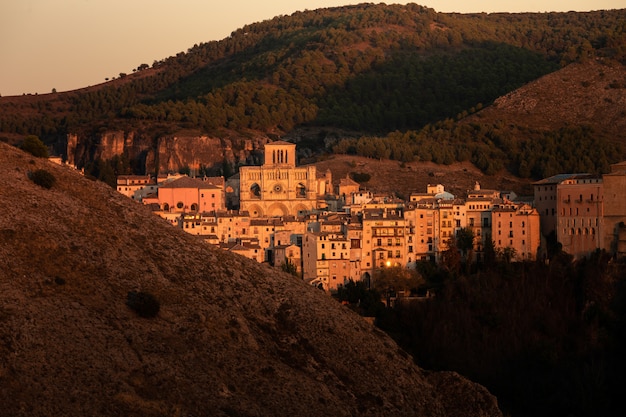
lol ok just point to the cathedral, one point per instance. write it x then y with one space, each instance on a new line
278 187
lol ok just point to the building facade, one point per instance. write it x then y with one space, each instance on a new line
278 187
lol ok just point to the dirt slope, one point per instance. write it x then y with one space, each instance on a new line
394 177
232 338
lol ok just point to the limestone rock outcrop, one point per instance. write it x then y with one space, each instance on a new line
167 153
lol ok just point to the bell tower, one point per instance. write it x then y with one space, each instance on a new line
280 154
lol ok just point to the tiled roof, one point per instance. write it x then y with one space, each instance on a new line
557 179
186 182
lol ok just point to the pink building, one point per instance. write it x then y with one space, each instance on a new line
580 214
517 227
186 194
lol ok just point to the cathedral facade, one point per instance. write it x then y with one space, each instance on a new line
278 187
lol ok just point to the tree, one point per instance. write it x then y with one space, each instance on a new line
289 267
399 278
360 298
42 178
33 145
465 242
489 251
143 303
507 254
451 257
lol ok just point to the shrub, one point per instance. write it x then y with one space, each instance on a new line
43 178
360 177
34 146
143 303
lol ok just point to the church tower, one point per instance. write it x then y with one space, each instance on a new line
281 154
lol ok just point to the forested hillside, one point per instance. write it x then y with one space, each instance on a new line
397 77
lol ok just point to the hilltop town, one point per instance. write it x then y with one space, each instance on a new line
332 231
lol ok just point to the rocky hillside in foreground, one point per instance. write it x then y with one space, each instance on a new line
232 337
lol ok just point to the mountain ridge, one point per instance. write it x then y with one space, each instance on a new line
366 69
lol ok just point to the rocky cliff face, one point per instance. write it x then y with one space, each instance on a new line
232 338
168 153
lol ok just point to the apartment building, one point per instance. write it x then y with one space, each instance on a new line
614 203
384 231
517 227
580 218
136 186
248 247
421 220
326 259
283 253
546 199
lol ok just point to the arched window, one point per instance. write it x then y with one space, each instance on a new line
300 191
166 207
255 191
180 205
194 207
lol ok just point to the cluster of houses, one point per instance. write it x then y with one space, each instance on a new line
333 232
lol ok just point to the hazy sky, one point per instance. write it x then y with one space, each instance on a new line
68 44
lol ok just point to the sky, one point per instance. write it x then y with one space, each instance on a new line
70 44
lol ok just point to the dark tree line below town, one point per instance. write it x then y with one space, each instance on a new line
546 338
